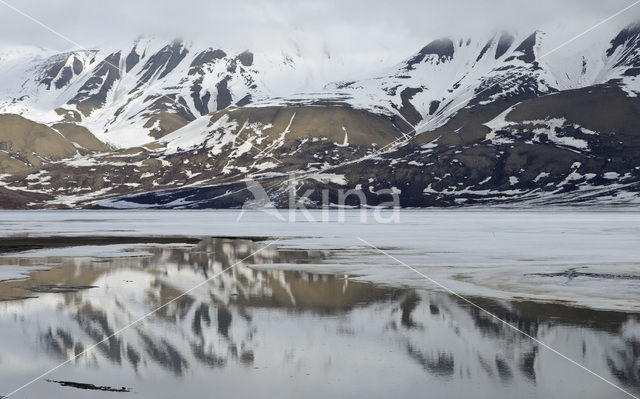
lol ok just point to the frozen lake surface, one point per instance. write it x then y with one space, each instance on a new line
588 258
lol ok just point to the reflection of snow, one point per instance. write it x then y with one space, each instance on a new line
492 253
281 333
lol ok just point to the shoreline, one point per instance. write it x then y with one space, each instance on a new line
18 243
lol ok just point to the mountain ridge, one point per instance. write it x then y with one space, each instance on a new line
461 121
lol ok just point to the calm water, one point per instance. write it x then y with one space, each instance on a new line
274 333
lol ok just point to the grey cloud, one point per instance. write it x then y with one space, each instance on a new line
349 29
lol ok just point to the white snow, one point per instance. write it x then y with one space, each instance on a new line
81 160
611 175
538 127
541 175
345 142
329 178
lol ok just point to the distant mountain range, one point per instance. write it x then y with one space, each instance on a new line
462 121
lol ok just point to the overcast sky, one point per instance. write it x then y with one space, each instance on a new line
346 27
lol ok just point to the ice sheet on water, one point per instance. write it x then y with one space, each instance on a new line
523 254
15 272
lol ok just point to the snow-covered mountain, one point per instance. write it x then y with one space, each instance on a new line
449 73
464 120
135 93
130 95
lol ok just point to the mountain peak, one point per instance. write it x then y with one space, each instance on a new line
629 34
441 50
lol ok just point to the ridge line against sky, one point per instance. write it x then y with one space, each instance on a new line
343 30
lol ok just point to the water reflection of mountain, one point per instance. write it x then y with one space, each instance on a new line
246 318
